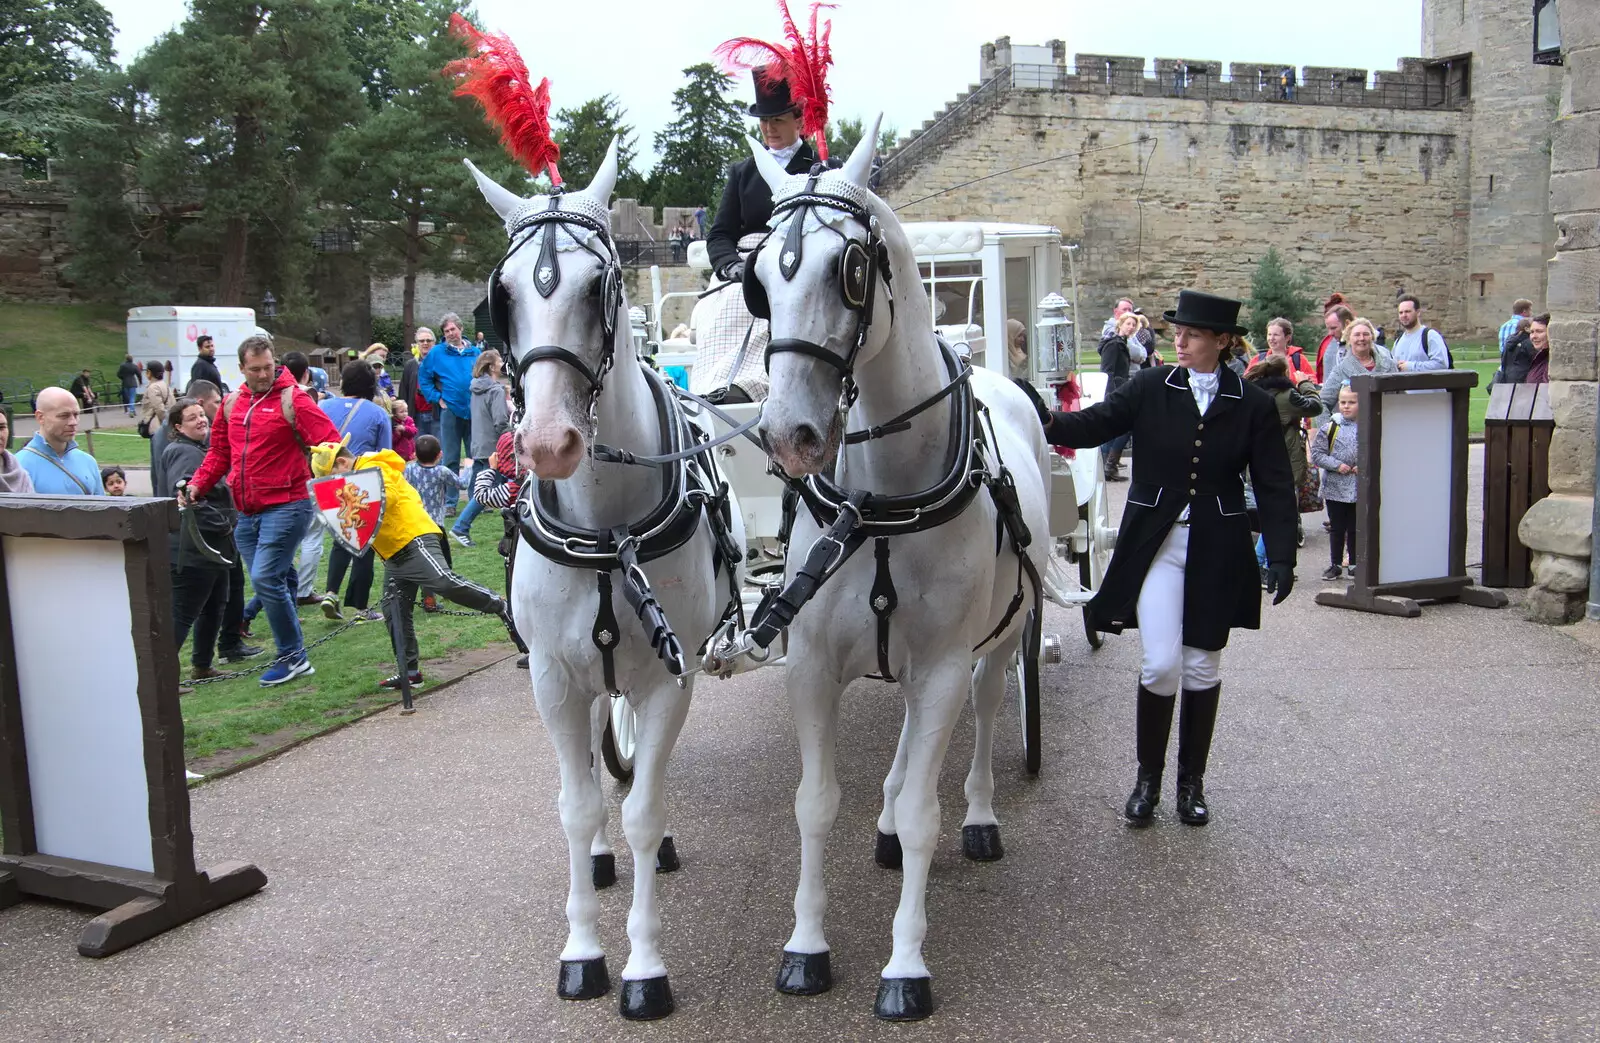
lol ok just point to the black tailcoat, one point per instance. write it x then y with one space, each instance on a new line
747 205
1184 460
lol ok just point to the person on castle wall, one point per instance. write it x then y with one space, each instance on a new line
1418 349
1521 311
1184 572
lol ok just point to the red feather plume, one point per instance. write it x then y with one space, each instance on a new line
497 77
803 64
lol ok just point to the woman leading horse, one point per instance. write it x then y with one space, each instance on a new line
1184 571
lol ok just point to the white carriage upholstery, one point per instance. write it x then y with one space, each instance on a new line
936 238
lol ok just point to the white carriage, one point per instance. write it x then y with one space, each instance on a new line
977 276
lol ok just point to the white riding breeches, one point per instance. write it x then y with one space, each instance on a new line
1169 664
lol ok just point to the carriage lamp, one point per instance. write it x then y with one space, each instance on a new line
1546 33
269 306
1055 358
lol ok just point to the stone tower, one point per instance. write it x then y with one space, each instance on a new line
1510 234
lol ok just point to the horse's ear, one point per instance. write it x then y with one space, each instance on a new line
858 168
605 179
502 199
771 171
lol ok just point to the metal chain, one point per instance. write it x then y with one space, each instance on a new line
324 639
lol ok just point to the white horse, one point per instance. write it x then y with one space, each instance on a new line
558 295
957 593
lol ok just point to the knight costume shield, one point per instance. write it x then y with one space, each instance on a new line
351 505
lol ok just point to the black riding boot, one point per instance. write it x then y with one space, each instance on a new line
1195 721
1114 467
1154 725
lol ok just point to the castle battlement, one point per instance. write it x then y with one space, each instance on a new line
1417 84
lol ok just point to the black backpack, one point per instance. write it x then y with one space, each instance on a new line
1449 359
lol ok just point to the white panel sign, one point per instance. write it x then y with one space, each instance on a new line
73 633
1414 480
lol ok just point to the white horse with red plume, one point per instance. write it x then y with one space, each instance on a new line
943 470
556 300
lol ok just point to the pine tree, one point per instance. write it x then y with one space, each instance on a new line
1277 292
705 136
585 133
45 46
247 95
397 178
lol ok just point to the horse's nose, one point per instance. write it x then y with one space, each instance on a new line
558 454
806 440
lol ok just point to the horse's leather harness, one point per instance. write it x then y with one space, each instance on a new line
850 517
692 487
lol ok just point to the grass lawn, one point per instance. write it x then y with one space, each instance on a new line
115 447
242 717
49 343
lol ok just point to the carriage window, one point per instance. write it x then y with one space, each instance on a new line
1019 306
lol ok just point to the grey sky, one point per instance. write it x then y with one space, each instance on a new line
904 59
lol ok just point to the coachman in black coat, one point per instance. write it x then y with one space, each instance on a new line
747 206
1186 529
1185 460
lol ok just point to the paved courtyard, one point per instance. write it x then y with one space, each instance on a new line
1405 847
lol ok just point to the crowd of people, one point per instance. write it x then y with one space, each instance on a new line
1312 390
250 511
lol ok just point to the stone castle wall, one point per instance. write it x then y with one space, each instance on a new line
1510 233
1167 192
33 238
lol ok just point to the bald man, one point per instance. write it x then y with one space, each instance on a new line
52 459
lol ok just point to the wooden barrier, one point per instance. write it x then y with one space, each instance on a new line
94 799
1411 496
1516 475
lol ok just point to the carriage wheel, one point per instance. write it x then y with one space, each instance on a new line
1028 657
616 745
1094 561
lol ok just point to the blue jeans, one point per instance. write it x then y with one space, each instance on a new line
427 423
473 508
127 399
455 436
267 542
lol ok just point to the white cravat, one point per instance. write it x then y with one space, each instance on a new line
784 155
1204 388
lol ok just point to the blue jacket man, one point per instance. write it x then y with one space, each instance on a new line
52 458
445 377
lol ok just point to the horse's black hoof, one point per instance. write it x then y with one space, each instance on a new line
583 979
805 973
646 1000
982 843
604 868
904 999
888 854
667 857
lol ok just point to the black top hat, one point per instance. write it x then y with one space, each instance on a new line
1206 311
772 96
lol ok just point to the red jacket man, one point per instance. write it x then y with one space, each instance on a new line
262 451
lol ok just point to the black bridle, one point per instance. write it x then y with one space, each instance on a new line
547 276
860 266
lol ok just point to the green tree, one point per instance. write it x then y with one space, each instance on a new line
398 177
704 137
375 30
248 94
845 134
1276 291
585 133
45 45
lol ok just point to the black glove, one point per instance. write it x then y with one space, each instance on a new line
1280 578
1033 396
733 271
